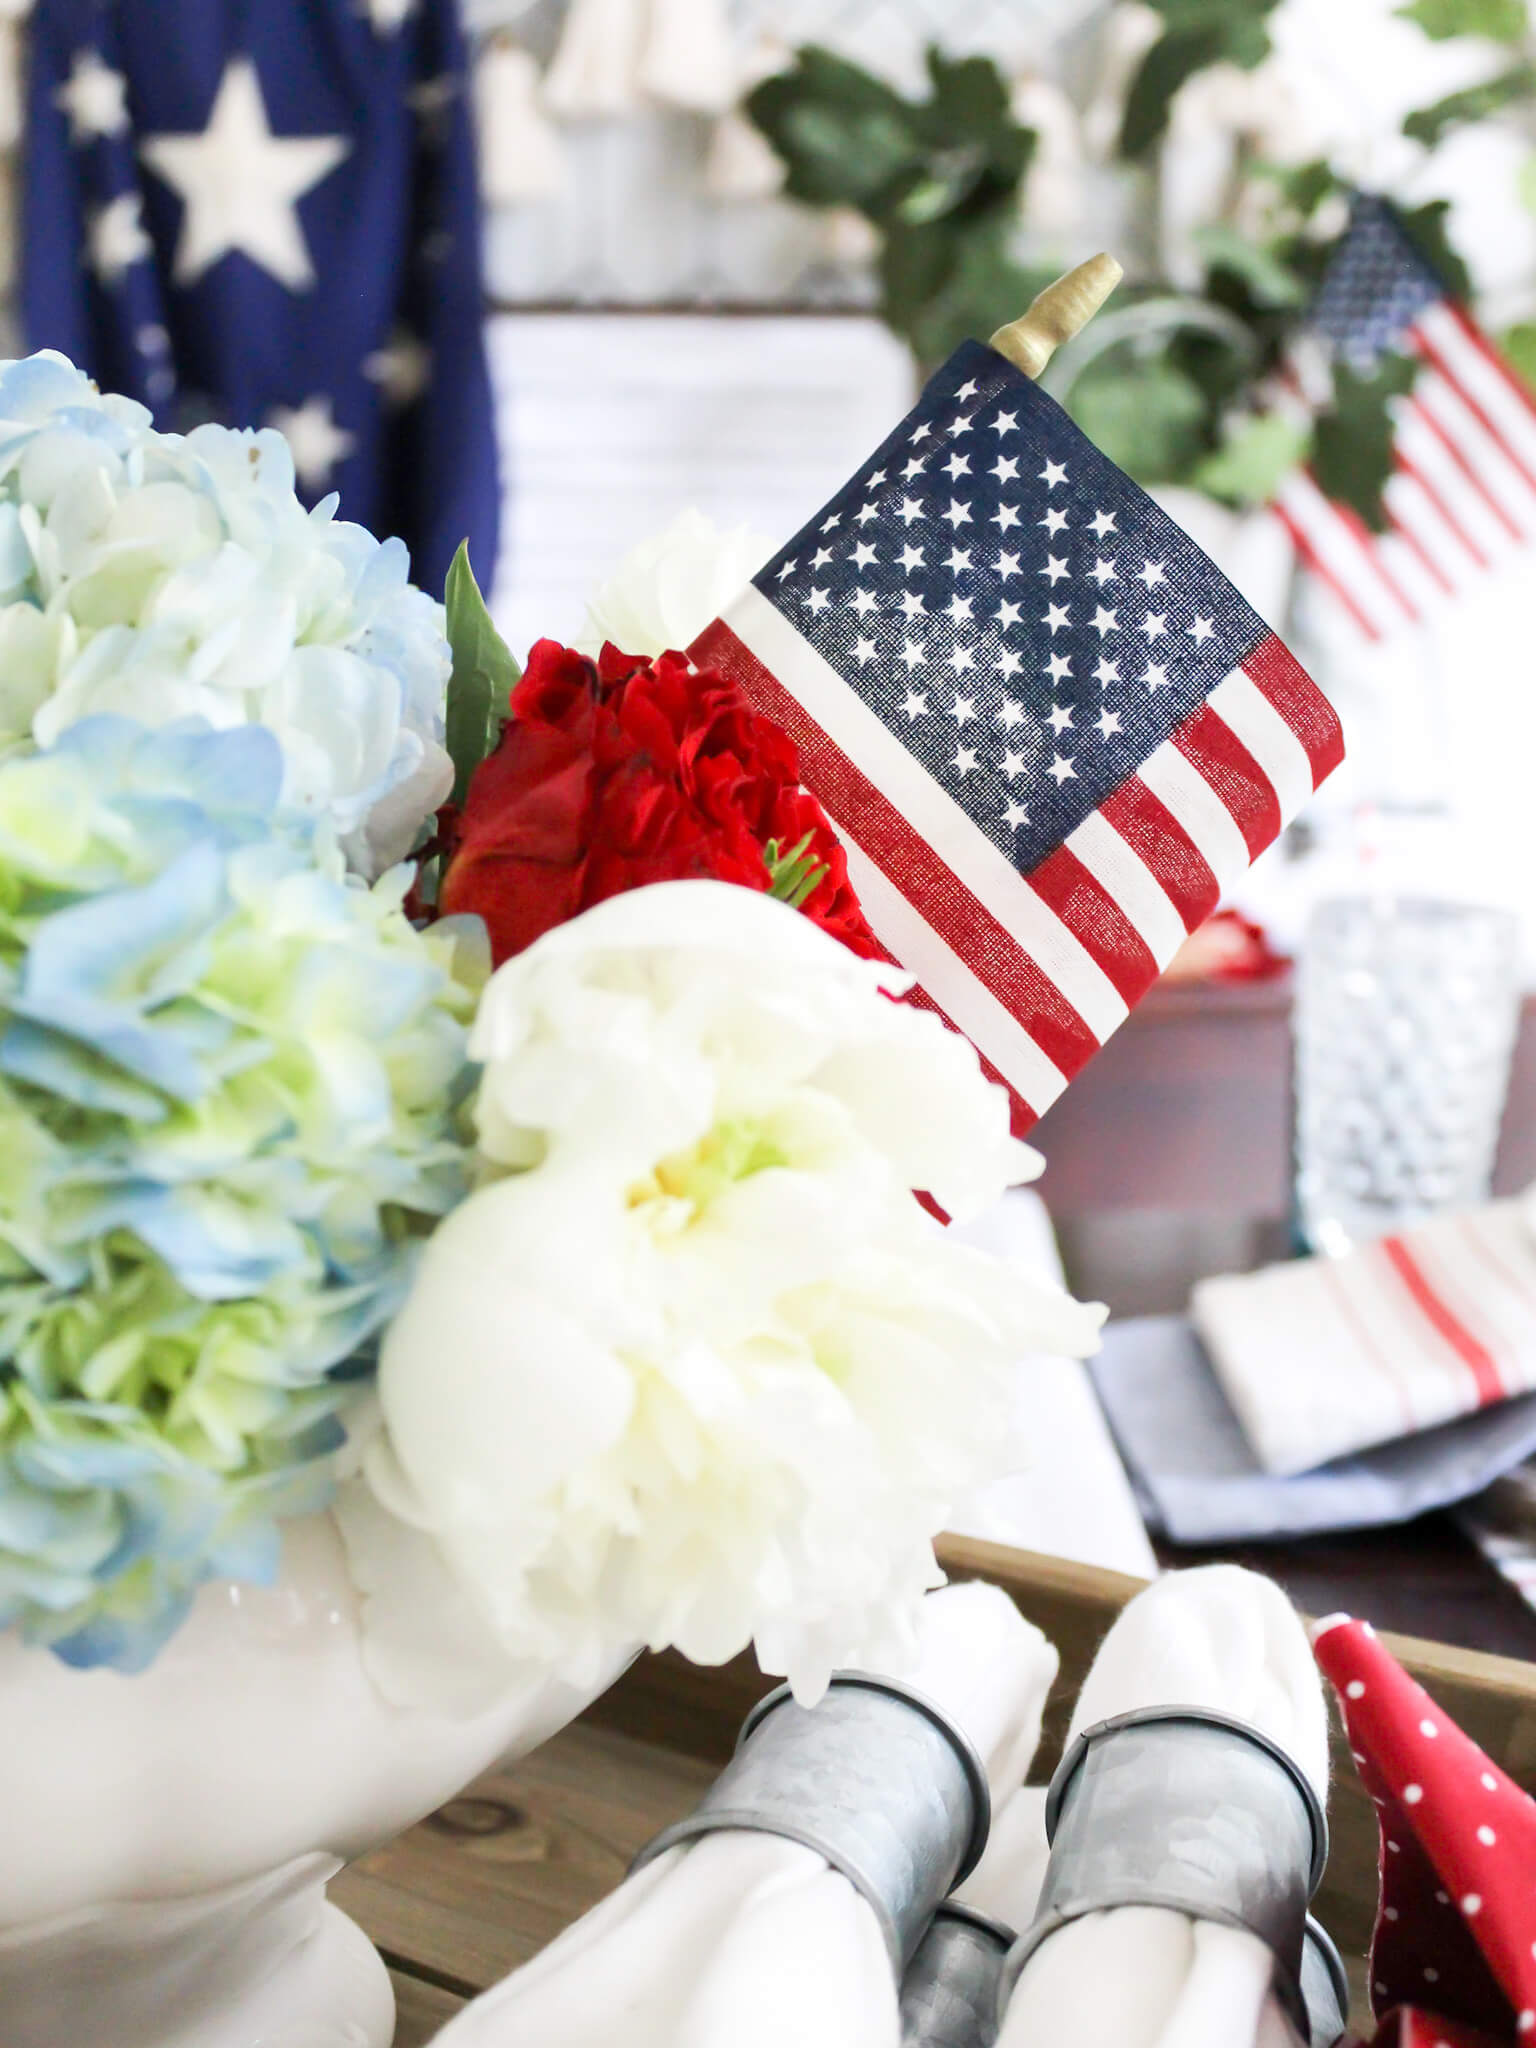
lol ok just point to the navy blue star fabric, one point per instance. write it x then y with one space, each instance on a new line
267 214
1376 285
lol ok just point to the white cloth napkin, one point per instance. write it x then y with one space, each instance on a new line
1321 1357
741 1940
1142 1976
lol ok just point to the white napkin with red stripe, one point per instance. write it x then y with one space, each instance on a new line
1322 1357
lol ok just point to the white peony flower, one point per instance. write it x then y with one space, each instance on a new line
665 592
164 576
698 1369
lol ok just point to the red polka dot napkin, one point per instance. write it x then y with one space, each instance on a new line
1456 1933
1410 2028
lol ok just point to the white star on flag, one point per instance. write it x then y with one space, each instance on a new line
402 369
94 97
387 16
315 441
116 237
241 184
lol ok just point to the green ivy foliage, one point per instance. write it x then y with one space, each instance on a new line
1196 34
938 178
941 180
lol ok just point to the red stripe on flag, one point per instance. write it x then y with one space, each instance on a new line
1155 835
1481 1362
1426 348
1312 553
1276 673
1350 519
1463 462
1209 744
1096 920
1484 346
970 931
1447 518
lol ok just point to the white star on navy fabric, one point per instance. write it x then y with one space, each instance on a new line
116 237
241 184
1054 473
94 96
315 441
402 369
387 16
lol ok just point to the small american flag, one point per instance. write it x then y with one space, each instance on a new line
1462 497
1047 728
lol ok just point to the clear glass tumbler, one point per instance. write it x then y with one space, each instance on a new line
1406 1012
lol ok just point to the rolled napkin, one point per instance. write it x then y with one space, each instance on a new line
1227 1642
1456 1932
741 1939
1320 1357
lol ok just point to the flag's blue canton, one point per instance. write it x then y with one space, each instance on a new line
1375 286
1017 611
316 265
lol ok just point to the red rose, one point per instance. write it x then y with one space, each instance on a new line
613 774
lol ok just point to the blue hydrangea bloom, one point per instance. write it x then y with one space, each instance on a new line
166 576
230 1088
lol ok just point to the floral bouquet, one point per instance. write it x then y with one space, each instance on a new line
462 1110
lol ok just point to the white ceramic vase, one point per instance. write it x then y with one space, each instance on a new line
166 1839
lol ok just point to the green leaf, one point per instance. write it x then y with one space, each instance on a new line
484 674
1518 346
1176 57
1503 21
1425 228
795 876
1253 461
1352 454
1267 280
1431 125
1525 184
846 137
1144 412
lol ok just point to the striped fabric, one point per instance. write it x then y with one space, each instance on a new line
1462 498
1048 730
1322 1357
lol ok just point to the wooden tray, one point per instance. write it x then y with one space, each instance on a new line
484 1883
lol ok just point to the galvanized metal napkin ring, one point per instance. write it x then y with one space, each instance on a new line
875 1778
1179 1807
949 1994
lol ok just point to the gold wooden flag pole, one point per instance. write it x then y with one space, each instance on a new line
1058 313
